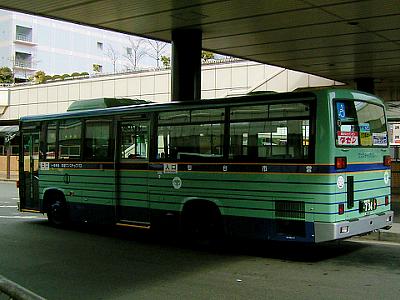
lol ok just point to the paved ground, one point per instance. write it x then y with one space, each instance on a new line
13 176
95 264
105 263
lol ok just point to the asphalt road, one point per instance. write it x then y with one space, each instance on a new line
109 263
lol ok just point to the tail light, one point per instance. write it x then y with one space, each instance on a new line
386 200
340 162
341 209
387 160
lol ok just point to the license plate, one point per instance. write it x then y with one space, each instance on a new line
368 205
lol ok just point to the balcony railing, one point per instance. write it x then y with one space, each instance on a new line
23 64
23 38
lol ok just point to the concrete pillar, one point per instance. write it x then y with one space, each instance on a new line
365 84
186 65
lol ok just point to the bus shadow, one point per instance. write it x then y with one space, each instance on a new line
286 251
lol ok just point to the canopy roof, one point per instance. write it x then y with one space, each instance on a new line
337 39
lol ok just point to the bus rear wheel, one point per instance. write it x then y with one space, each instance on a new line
57 213
202 224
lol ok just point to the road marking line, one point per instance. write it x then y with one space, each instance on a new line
15 198
8 206
21 217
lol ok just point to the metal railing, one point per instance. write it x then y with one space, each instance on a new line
11 290
23 38
23 64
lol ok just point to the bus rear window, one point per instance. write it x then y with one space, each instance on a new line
360 123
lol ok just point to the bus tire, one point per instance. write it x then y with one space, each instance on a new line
57 213
202 223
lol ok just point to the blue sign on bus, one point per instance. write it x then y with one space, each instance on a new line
341 110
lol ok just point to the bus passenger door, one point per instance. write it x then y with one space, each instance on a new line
30 164
132 205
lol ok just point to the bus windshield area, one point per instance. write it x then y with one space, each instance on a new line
360 123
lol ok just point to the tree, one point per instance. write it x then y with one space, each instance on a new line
206 55
157 48
166 60
137 51
114 56
97 68
40 77
6 75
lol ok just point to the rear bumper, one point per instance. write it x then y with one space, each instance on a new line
333 231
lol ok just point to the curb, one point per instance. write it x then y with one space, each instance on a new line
382 236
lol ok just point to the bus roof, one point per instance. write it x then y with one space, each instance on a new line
149 106
104 103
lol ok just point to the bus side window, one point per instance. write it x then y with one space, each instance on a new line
70 139
134 140
98 144
275 132
201 139
51 139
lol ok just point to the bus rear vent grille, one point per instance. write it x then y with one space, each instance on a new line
289 209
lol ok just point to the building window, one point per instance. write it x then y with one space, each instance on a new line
23 34
100 45
23 60
129 51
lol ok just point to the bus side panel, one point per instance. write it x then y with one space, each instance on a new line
89 193
132 204
275 206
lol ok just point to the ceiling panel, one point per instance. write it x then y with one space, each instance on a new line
304 44
330 60
38 7
380 23
291 58
211 26
361 9
393 35
281 34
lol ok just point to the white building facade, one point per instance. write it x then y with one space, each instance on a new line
30 43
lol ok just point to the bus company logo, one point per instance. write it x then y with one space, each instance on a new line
170 168
177 183
264 169
225 168
309 169
189 167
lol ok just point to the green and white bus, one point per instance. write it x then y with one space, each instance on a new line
307 166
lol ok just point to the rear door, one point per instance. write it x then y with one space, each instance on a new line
29 199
